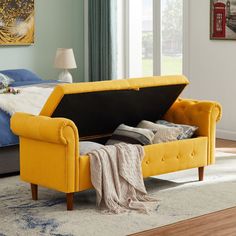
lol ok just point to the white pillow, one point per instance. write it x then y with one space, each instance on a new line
188 130
166 134
5 80
144 124
163 133
85 147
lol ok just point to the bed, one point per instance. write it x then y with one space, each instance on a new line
9 151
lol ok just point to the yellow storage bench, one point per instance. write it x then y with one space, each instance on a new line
49 143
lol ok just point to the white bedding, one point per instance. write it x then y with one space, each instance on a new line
29 100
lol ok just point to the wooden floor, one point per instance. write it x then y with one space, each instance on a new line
226 146
222 223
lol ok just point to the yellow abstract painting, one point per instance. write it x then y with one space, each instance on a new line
16 22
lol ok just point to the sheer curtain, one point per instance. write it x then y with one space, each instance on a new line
102 38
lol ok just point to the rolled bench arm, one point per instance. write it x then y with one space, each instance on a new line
195 112
41 128
203 114
48 151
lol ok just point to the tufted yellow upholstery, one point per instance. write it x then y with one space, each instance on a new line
49 152
160 159
203 114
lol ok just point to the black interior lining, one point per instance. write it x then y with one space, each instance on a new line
98 113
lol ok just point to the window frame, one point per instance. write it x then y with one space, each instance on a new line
125 37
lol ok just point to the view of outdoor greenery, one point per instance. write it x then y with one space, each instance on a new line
170 66
147 38
171 37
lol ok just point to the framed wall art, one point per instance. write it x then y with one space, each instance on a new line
223 19
17 22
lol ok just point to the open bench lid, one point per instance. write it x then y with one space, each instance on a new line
98 108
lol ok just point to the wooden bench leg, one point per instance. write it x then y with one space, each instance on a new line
70 201
34 191
201 173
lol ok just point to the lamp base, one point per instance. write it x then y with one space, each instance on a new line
65 76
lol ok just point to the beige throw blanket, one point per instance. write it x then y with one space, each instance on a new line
116 175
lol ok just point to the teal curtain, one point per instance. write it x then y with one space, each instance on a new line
102 39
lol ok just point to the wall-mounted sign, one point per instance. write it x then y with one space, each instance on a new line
16 22
223 19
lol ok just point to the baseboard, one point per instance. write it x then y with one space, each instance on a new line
226 134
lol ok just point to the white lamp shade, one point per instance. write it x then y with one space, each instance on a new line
65 59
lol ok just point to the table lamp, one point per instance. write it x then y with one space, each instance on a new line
65 60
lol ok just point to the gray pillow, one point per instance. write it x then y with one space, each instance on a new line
188 130
85 147
128 134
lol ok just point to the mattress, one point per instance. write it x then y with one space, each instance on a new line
7 138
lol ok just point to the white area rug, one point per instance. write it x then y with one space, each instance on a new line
181 197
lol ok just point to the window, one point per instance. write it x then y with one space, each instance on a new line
171 37
150 37
147 37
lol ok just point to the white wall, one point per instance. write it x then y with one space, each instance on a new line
212 67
